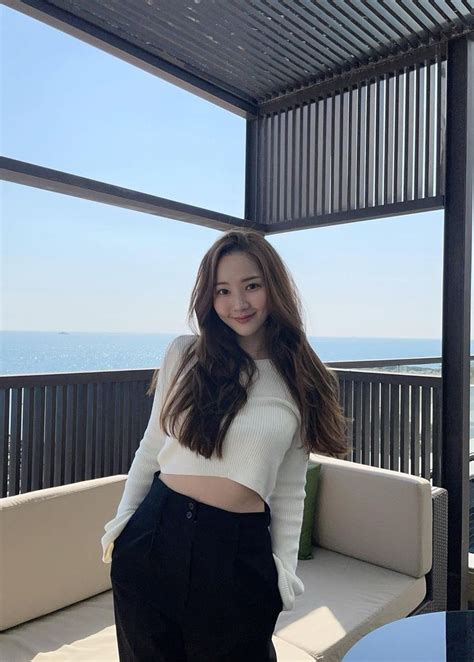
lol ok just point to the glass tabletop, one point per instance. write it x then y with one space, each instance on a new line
443 636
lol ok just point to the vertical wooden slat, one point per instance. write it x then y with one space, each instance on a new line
432 164
369 143
418 146
26 442
261 174
340 176
59 436
281 162
405 429
412 84
406 137
428 152
385 427
375 425
99 431
424 121
342 392
437 436
269 180
394 426
425 433
349 411
275 178
365 427
364 151
387 147
48 454
312 158
126 421
319 173
4 439
415 431
117 439
379 141
441 126
80 433
14 485
89 468
396 139
334 168
108 429
134 430
147 405
344 151
296 193
323 171
288 167
359 148
350 148
305 156
327 156
69 433
37 438
358 421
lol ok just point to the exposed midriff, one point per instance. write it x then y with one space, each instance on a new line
216 491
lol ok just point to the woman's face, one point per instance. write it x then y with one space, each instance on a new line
240 292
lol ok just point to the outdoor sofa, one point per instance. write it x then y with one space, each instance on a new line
379 550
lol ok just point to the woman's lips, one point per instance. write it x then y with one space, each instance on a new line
243 320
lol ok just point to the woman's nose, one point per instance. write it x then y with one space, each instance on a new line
240 302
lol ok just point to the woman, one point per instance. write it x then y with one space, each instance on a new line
205 542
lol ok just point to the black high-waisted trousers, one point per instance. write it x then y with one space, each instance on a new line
194 583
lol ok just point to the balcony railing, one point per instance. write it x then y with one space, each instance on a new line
66 427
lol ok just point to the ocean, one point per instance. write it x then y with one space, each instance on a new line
27 352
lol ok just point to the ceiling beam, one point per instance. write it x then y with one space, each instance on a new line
28 174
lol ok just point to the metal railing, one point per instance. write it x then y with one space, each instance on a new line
396 416
66 427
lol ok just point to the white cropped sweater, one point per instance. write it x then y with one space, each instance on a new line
261 450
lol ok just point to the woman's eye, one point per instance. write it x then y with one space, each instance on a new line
223 289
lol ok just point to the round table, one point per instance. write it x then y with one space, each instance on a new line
443 636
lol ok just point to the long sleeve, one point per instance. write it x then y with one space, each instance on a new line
287 504
145 462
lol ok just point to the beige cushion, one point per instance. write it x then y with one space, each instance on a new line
344 599
50 547
373 514
85 632
470 579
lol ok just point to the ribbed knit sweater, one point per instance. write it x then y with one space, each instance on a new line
261 450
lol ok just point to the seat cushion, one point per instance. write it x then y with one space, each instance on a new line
344 599
82 632
85 632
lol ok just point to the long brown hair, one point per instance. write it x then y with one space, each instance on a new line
215 389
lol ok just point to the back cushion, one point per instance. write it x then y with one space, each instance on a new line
51 555
375 515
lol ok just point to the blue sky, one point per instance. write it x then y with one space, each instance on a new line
74 265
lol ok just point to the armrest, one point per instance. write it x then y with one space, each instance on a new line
436 579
